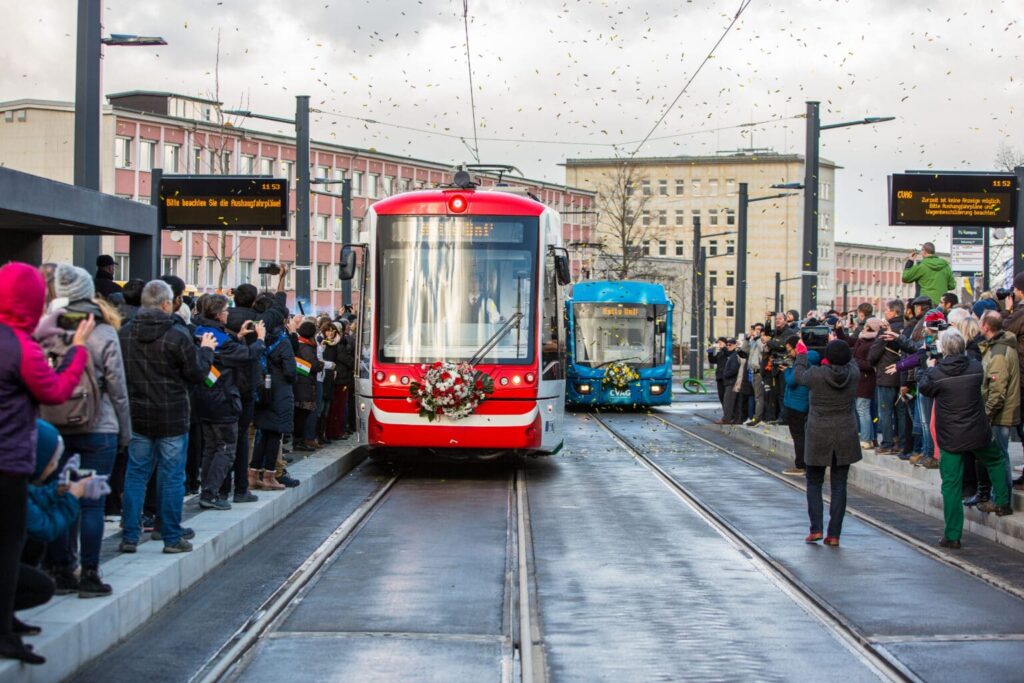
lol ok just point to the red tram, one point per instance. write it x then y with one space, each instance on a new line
461 274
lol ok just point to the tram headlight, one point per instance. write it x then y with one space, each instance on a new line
379 376
530 377
393 378
517 380
657 388
405 379
583 388
503 381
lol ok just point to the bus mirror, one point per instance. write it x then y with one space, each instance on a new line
660 327
562 272
347 264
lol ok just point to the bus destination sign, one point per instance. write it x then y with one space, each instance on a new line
223 203
983 199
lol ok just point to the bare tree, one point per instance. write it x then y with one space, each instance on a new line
1008 157
620 201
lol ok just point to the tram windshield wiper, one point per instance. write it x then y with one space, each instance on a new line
617 360
496 337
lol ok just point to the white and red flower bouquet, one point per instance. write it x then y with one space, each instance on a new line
450 390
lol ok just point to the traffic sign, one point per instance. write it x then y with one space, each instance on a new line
967 251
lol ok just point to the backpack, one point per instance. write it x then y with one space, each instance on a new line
80 412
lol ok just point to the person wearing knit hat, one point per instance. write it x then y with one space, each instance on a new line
308 366
831 433
73 283
982 306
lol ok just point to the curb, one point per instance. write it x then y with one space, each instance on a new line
899 482
76 631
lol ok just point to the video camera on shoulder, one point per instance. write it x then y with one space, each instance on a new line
815 337
272 269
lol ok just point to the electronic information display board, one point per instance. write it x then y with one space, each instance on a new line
984 199
223 203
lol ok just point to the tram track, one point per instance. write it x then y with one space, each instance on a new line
522 658
879 661
916 543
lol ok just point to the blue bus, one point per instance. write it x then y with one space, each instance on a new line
619 344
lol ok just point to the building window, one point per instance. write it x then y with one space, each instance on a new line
122 152
321 226
645 218
357 226
171 153
695 187
730 217
826 221
264 278
680 216
646 248
357 184
663 188
712 247
695 216
169 265
371 185
713 278
147 155
211 271
730 186
404 187
662 248
267 167
339 174
645 187
389 186
225 163
712 216
321 276
713 187
337 228
680 186
629 189
197 159
245 271
123 264
248 165
288 170
730 308
730 246
679 247
194 272
288 277
662 217
322 173
730 278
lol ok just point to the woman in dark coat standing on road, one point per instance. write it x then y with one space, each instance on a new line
276 407
831 436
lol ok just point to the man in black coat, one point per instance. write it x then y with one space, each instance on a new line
243 315
161 365
962 427
105 285
730 363
716 357
885 351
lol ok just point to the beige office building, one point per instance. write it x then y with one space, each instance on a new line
670 191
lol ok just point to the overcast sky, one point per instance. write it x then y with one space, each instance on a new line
581 71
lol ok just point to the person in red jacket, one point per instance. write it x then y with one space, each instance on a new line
26 380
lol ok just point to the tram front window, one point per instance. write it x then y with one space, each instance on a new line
450 283
610 333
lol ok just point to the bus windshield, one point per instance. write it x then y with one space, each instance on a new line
449 283
607 333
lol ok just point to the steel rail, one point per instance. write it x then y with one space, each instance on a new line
232 651
531 660
916 543
785 580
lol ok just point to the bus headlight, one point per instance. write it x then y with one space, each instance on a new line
657 388
583 388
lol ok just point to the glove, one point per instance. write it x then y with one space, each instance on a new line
96 487
47 327
73 463
801 347
328 365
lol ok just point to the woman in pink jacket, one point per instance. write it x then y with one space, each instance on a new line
26 380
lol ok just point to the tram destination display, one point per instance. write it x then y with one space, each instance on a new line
223 203
983 199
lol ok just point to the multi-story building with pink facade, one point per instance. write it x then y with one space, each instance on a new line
142 130
867 273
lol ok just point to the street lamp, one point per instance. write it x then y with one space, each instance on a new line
809 261
741 257
85 248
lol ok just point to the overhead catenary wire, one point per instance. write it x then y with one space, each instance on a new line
469 67
743 6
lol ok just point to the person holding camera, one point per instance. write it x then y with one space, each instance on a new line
955 384
242 319
730 371
866 386
884 352
717 357
1013 322
831 432
796 402
97 441
26 380
932 274
275 408
754 346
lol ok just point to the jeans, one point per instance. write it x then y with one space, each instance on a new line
863 407
888 414
758 383
264 452
797 423
240 466
312 421
98 452
837 507
167 455
924 408
1002 437
219 443
951 468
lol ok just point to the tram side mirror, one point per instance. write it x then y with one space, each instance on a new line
562 272
347 264
660 327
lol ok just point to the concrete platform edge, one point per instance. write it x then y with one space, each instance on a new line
76 631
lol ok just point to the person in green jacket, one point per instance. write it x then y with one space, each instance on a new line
932 274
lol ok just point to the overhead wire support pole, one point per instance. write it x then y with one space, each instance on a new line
469 67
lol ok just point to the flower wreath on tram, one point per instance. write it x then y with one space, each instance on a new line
618 375
452 390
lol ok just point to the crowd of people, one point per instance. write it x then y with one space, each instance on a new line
932 381
123 400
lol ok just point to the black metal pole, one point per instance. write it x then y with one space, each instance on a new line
346 234
809 260
1018 230
695 359
302 194
846 298
711 304
85 248
741 261
778 292
702 280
